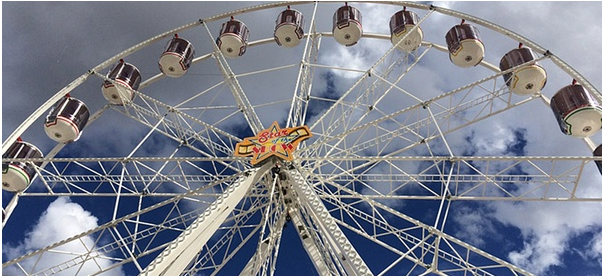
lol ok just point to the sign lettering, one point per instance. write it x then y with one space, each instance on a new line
273 141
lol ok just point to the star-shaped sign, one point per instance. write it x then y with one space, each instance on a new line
273 141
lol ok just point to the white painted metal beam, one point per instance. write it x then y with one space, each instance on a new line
316 256
179 254
346 253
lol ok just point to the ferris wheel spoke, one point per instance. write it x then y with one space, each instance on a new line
474 178
454 110
332 121
180 130
239 228
264 260
146 176
410 241
231 80
142 241
301 94
172 177
177 124
361 98
212 142
417 242
172 259
370 101
117 248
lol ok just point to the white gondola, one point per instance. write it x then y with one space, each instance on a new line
177 57
129 78
577 113
66 120
465 47
289 28
526 80
400 26
233 38
17 176
347 25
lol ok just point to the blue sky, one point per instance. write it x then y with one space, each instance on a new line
48 44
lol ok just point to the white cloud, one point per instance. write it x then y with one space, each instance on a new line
62 219
476 228
492 139
595 248
540 253
547 229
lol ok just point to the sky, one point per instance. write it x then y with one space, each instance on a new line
46 45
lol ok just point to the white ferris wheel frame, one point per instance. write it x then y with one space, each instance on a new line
171 262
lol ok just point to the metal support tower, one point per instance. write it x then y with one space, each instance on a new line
179 254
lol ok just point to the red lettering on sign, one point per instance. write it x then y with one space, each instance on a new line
273 141
266 135
287 146
258 150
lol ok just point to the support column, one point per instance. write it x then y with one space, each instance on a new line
316 256
178 255
263 261
265 254
347 255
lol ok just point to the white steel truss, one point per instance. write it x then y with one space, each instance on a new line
195 209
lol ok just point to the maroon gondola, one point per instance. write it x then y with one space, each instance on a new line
233 38
347 25
400 26
289 28
526 80
17 176
66 120
465 47
128 77
576 111
177 57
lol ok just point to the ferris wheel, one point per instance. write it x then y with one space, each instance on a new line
199 152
